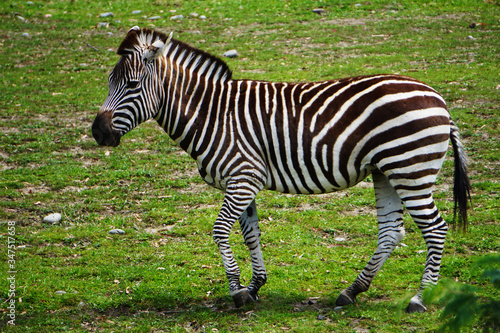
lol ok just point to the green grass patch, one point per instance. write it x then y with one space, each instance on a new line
164 274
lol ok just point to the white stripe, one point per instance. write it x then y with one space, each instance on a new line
347 104
435 148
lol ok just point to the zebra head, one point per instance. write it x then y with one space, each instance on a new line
135 89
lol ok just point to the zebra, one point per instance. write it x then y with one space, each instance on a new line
302 138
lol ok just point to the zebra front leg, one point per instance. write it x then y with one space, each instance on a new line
249 222
391 232
238 197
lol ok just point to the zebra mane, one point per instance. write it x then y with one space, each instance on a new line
138 40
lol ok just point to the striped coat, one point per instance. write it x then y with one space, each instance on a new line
318 137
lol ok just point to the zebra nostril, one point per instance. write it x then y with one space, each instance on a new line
98 136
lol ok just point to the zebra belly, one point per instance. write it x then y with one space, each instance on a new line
306 183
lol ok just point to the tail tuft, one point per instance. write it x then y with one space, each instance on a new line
461 186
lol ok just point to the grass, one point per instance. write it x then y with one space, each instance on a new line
54 80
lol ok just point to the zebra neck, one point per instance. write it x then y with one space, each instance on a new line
190 111
193 84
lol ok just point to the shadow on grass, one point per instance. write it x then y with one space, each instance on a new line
157 308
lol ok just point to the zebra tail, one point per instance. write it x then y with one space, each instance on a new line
461 186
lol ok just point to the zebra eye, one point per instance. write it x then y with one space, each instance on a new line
132 84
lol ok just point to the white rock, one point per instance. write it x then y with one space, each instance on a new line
340 239
30 3
230 54
203 17
19 17
151 231
337 308
47 16
52 218
152 18
319 11
116 232
25 34
177 17
135 12
108 14
60 292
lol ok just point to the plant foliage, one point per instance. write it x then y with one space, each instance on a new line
463 307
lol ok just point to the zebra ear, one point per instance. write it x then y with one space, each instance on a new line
155 50
158 48
163 50
135 28
169 38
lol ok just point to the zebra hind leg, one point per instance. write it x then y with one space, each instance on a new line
425 214
391 232
251 233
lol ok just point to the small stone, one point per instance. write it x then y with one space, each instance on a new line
160 269
319 11
30 3
230 54
103 25
340 239
312 300
151 231
25 34
203 17
321 317
19 17
470 37
81 304
116 232
52 218
46 16
108 14
60 292
177 17
403 245
135 12
194 14
337 308
153 18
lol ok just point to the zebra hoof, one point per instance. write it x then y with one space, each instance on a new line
345 298
242 297
416 307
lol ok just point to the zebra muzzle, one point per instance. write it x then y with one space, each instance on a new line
102 132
